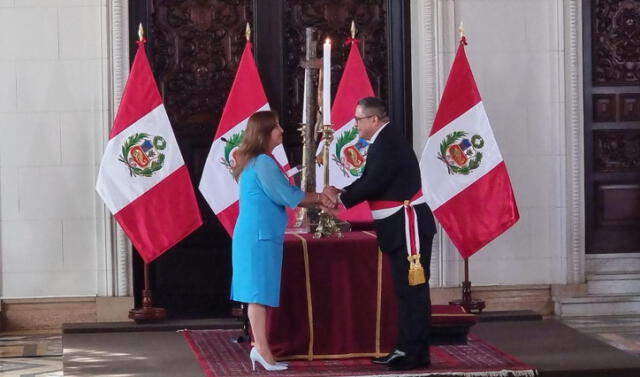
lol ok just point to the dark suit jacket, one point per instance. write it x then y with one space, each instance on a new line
391 173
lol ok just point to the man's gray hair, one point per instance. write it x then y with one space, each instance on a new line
374 106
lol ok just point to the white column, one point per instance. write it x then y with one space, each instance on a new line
574 140
426 45
118 277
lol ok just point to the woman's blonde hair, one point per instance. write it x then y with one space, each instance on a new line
256 139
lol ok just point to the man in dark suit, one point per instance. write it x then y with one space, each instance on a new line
391 184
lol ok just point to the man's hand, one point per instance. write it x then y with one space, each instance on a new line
332 193
327 201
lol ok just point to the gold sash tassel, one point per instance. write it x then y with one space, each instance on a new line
416 272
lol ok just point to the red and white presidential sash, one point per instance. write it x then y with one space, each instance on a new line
381 209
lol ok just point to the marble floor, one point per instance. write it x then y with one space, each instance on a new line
31 354
40 354
622 332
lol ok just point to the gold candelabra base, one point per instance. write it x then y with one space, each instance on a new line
327 226
301 217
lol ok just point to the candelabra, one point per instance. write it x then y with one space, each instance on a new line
302 214
326 223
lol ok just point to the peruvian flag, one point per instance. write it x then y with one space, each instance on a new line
217 184
464 177
142 179
347 153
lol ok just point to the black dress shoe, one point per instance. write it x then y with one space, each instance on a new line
385 360
409 362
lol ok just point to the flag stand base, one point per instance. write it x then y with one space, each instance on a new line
242 314
147 313
151 314
470 305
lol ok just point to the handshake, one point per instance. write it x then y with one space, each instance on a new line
329 199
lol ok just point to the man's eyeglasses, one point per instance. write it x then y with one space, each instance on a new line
358 119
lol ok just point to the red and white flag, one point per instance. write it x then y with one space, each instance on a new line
347 153
464 177
217 184
143 179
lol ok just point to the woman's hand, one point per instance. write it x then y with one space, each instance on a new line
318 199
326 201
332 192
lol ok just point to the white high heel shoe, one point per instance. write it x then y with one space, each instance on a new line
255 356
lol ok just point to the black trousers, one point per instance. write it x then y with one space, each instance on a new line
414 302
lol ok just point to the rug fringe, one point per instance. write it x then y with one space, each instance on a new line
497 373
215 353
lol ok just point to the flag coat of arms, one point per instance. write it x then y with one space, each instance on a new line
347 152
246 97
143 179
464 178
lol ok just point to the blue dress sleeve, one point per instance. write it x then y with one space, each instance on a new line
275 184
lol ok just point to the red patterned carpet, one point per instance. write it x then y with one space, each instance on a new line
219 357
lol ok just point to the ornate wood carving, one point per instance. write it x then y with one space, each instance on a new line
619 205
615 42
612 149
332 19
629 107
196 47
616 151
604 107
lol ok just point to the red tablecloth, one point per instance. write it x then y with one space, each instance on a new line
336 299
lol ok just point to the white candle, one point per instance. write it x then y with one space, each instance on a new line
304 97
326 83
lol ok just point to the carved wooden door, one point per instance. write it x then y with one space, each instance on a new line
194 47
612 125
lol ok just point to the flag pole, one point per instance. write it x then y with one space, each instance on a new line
147 313
242 312
470 305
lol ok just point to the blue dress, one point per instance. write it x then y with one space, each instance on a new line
259 232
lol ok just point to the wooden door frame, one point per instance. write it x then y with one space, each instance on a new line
267 15
272 68
587 92
591 173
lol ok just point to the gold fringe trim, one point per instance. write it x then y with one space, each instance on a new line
454 315
379 301
340 356
370 234
307 278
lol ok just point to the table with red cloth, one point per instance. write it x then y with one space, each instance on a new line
336 299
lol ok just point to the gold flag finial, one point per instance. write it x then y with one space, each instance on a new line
140 31
461 30
353 29
247 32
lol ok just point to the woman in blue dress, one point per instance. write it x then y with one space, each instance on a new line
259 232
